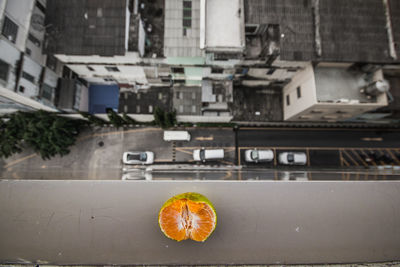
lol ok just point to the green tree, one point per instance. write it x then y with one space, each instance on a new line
127 119
46 133
164 119
159 117
115 118
93 119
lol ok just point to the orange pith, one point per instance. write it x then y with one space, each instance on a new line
186 219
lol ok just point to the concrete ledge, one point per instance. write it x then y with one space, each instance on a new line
115 222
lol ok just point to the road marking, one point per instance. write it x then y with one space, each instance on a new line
226 162
341 158
119 132
19 160
393 156
203 138
184 151
350 157
230 149
309 129
163 160
374 139
365 154
227 176
358 156
314 148
345 162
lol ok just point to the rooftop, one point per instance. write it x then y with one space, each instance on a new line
350 31
340 84
180 40
86 27
223 25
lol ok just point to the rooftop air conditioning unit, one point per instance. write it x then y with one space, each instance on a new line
376 88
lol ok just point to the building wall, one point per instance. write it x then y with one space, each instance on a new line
334 111
30 87
10 55
20 12
308 108
36 30
306 81
97 73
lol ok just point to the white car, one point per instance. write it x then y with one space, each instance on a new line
207 154
138 157
254 155
293 158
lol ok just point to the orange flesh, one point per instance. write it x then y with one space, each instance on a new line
185 219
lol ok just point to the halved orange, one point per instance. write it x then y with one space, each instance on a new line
188 216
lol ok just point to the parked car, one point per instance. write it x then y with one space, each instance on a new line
255 155
208 154
138 157
293 158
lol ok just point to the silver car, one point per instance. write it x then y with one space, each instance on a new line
293 158
254 155
138 157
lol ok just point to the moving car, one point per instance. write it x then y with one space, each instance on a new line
208 154
293 158
138 157
254 155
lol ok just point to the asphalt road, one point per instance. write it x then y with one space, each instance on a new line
97 154
337 138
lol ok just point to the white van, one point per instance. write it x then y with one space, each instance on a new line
176 136
207 154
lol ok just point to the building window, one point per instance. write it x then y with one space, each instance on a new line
150 109
51 62
160 96
47 92
251 29
10 29
4 69
21 89
112 69
108 80
298 91
187 15
287 100
34 40
217 70
28 51
28 77
178 70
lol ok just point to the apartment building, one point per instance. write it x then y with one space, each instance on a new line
27 81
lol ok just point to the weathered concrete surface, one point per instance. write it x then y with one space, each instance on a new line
115 222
